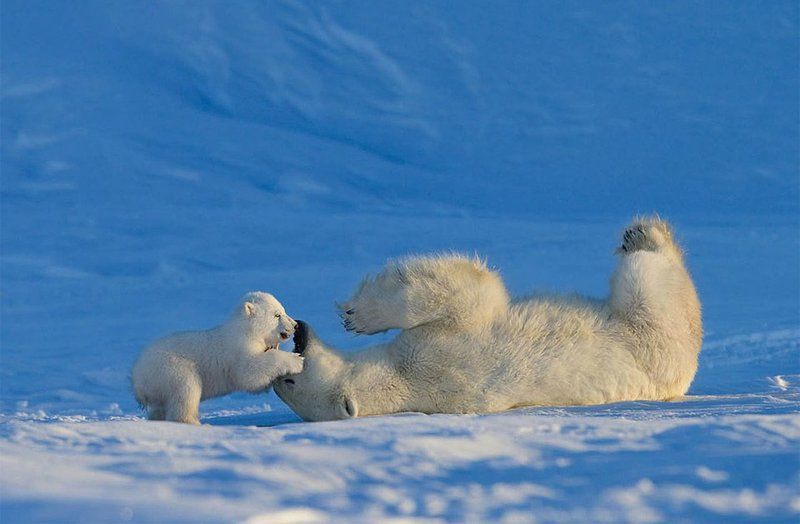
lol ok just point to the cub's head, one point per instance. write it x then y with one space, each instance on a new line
265 319
318 393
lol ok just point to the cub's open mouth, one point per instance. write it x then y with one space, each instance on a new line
272 346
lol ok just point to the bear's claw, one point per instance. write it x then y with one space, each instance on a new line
350 325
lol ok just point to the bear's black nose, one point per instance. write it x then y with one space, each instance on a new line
300 337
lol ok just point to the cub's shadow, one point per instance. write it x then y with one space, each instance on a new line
263 419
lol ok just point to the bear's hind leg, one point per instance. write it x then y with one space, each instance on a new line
422 290
654 301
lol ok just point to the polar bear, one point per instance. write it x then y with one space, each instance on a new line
465 347
175 373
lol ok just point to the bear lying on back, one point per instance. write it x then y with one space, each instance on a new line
176 372
465 346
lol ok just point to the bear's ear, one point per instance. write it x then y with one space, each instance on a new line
348 407
249 309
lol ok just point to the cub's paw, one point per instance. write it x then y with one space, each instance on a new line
293 364
646 234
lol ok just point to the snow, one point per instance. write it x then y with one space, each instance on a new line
159 160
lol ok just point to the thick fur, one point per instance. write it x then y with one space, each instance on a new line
464 347
175 373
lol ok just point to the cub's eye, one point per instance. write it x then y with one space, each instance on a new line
277 315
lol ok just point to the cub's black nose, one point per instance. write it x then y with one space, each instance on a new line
300 337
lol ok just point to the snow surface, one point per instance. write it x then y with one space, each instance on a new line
160 159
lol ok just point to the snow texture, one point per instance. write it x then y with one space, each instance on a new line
161 159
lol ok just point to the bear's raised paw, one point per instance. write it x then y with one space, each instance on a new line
361 320
649 234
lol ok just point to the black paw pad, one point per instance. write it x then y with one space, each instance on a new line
633 239
301 336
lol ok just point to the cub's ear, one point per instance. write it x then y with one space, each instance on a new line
249 309
348 407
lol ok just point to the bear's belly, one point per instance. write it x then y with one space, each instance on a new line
461 376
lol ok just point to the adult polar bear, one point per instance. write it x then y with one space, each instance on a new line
466 348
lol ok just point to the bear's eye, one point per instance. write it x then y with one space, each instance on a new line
277 315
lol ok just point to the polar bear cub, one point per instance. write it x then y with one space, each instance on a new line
176 372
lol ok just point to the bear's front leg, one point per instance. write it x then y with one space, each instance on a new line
454 289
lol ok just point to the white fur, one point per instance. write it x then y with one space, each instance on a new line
175 373
464 347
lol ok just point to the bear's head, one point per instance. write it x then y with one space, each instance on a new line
264 320
319 392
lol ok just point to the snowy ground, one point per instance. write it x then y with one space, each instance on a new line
74 445
159 160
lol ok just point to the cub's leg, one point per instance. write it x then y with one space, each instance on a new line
419 290
254 373
156 412
184 403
